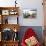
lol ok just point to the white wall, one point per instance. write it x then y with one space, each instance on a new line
7 3
27 4
32 4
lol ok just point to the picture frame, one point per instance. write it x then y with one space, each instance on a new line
5 12
27 13
12 12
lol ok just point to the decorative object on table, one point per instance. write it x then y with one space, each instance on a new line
15 36
29 13
30 39
12 12
15 2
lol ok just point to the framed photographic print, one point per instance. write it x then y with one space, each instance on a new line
29 13
5 12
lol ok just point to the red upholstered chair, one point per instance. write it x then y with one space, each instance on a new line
29 34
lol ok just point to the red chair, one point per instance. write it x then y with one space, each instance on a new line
29 33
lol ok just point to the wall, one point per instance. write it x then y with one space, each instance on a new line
27 4
7 3
44 22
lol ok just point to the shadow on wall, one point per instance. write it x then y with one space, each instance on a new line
37 29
